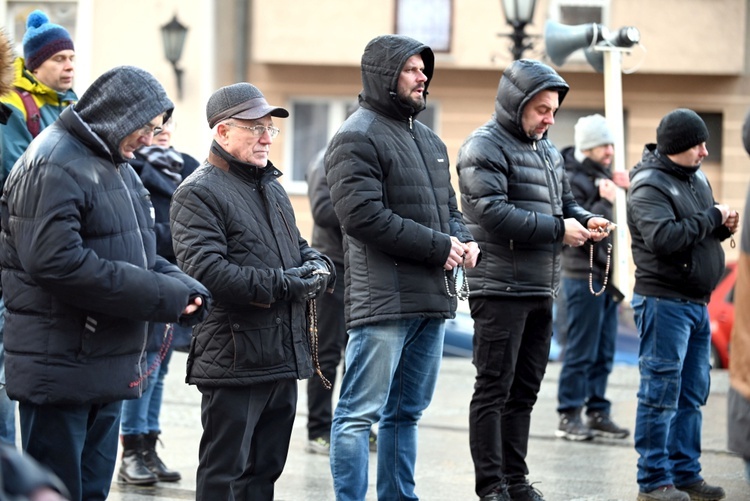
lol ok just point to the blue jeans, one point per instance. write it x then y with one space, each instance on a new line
589 349
7 406
141 415
391 372
675 339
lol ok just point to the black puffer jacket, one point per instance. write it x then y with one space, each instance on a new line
515 194
78 253
675 230
584 177
233 228
391 190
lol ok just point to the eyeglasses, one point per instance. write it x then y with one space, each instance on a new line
258 130
147 130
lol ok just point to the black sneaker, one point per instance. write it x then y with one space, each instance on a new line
663 493
701 491
497 494
601 425
524 492
572 428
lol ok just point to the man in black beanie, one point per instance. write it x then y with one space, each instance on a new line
676 228
82 279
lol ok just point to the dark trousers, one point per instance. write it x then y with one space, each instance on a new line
246 433
331 343
511 348
77 442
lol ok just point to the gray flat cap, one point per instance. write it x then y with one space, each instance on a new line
241 100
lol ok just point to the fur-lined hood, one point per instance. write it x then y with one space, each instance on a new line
6 63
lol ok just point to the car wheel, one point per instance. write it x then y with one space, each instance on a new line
715 359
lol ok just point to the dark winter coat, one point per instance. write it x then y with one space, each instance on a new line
675 230
233 228
514 193
584 178
79 266
391 190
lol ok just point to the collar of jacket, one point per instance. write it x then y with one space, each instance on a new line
81 130
678 170
219 157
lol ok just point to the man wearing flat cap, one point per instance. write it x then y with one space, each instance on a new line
233 229
676 228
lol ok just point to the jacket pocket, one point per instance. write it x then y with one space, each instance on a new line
258 342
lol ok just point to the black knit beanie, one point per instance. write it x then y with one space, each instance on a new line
679 131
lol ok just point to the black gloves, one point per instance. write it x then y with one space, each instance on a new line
307 281
299 288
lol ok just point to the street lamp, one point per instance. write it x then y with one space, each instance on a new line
173 35
518 13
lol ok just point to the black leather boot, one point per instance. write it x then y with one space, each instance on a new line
133 469
154 463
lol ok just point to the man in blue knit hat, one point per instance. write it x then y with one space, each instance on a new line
42 86
41 90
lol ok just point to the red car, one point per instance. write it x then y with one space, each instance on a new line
721 313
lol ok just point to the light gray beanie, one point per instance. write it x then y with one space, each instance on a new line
592 131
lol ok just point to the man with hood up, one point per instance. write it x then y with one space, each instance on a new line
519 206
403 238
82 278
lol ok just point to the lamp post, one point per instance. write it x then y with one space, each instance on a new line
173 35
518 13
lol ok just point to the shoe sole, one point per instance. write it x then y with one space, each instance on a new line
125 480
608 434
574 438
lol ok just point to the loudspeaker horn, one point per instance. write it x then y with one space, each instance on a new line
562 40
624 37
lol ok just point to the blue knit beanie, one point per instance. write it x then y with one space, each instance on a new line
43 39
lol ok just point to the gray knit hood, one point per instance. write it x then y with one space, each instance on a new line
121 101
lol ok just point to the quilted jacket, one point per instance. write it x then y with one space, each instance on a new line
390 185
233 228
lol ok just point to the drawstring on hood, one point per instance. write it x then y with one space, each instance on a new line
382 62
121 101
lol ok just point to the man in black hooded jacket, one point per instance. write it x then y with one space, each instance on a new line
403 236
519 206
82 278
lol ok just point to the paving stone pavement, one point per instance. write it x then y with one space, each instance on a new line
561 470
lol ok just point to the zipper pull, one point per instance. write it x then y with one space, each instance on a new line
411 128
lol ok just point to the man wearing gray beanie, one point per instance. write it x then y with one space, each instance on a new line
233 228
82 279
676 229
591 319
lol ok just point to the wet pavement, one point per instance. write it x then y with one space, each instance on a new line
561 470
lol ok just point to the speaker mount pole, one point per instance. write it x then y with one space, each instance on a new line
615 121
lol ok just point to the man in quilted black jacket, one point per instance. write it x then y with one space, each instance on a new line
233 228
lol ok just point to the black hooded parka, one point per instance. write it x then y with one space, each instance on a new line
514 192
80 271
390 185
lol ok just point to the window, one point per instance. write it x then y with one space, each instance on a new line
59 12
312 124
428 21
574 12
